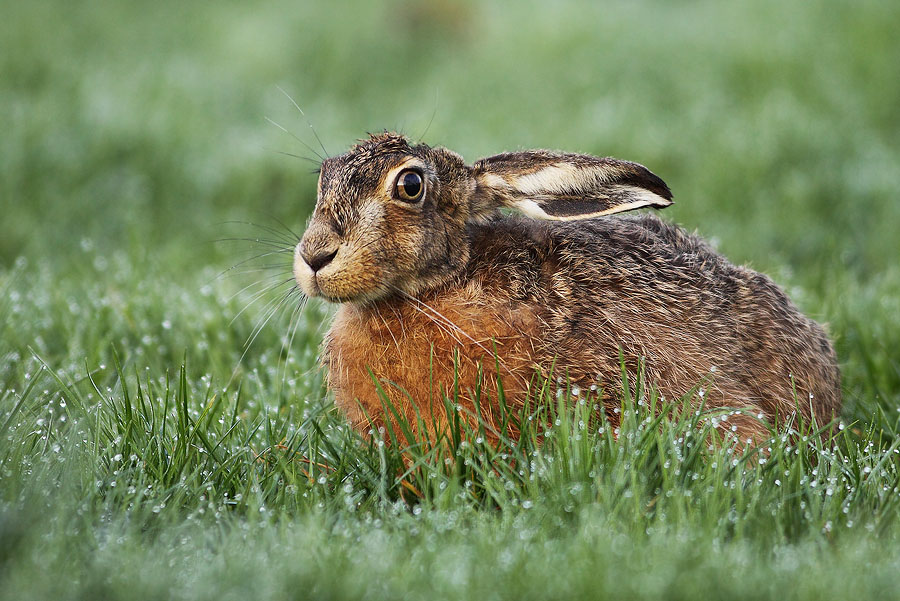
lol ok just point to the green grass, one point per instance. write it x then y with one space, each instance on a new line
144 454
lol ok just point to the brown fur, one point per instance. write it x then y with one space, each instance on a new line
450 285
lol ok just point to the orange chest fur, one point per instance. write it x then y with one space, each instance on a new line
419 351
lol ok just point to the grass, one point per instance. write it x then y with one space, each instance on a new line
144 453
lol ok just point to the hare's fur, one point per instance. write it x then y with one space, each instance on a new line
451 292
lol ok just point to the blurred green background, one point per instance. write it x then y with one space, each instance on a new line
135 142
142 124
132 132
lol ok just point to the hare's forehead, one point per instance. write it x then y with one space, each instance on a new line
354 176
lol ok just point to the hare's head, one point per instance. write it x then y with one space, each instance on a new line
392 217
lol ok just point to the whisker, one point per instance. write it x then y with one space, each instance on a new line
439 324
264 280
273 289
287 229
278 304
388 328
375 242
257 296
307 119
268 314
455 326
400 321
280 255
278 244
266 228
296 137
431 120
297 156
286 267
251 259
293 324
433 310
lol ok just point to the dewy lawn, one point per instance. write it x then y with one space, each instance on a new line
148 451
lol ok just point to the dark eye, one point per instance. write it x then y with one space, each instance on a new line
410 186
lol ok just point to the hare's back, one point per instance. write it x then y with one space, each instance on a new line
664 296
642 249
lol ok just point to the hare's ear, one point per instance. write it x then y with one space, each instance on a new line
565 187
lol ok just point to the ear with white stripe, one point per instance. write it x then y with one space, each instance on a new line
565 187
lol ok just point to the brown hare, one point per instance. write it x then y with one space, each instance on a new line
440 288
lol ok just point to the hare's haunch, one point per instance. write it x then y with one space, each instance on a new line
437 283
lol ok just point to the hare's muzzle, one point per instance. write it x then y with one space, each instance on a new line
315 252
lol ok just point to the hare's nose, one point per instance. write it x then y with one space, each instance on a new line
318 259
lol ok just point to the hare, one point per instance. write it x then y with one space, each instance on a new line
442 292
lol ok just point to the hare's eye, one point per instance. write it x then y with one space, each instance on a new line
410 186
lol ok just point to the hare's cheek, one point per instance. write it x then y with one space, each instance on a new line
355 273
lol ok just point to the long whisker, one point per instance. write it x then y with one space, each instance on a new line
293 324
307 119
296 137
266 228
298 156
278 304
285 233
277 244
370 243
433 113
272 261
436 312
286 265
400 321
267 315
264 251
388 328
257 296
442 325
263 268
250 260
268 286
452 324
287 229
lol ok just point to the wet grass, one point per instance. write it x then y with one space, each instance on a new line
146 451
